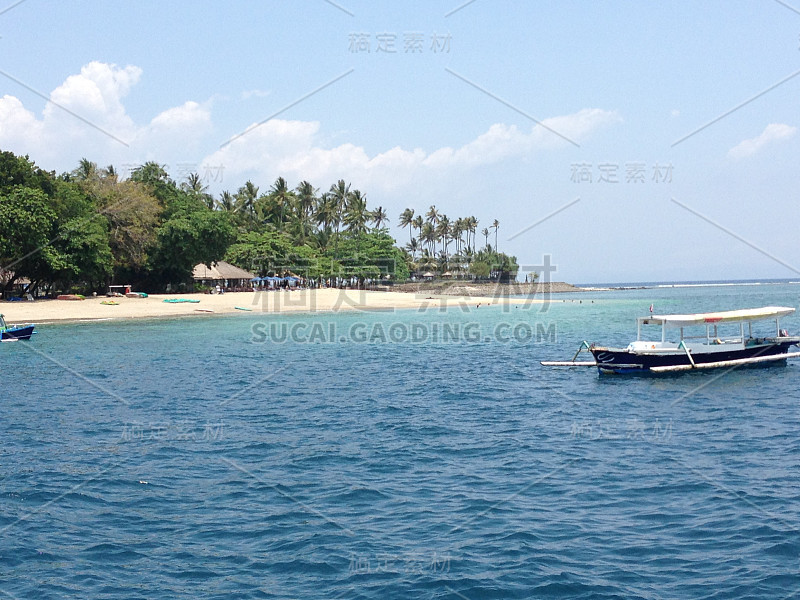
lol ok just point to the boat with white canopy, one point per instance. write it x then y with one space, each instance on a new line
727 339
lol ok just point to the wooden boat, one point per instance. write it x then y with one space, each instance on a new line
15 332
713 349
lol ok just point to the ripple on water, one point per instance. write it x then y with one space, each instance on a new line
396 471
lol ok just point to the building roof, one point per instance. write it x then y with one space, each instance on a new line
220 270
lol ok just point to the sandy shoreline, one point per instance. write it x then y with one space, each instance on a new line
318 300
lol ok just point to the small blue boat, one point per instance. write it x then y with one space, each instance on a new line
14 332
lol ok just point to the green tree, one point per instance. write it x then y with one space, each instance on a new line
21 171
188 239
472 227
86 170
327 216
226 202
339 195
479 268
379 217
418 223
193 185
156 178
407 220
428 235
443 232
133 215
356 213
83 238
27 230
306 200
245 201
283 199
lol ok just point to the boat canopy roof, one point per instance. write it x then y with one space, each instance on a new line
726 316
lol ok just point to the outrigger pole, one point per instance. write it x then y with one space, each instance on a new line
573 362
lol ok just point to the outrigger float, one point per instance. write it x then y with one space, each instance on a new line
709 351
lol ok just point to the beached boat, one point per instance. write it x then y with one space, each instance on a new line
14 332
727 341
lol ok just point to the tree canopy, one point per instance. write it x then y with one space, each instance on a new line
80 231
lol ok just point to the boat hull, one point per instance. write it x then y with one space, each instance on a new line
19 333
614 360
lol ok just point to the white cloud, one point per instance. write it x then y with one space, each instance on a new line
176 132
85 113
86 116
16 122
294 149
773 132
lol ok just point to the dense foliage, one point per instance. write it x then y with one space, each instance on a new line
80 231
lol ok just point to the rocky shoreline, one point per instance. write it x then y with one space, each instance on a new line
491 290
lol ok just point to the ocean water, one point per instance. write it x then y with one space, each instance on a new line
398 455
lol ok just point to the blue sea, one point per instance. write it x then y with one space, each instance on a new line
404 454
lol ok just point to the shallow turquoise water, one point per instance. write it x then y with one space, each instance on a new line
426 455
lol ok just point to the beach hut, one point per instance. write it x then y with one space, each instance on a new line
223 274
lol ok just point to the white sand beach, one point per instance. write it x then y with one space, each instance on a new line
317 300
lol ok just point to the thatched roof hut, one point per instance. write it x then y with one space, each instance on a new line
222 272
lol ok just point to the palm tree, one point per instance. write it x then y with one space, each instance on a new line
457 230
110 174
443 231
413 247
194 187
432 215
428 235
433 218
327 215
86 170
306 200
340 196
427 260
356 213
194 183
282 197
152 174
472 227
226 202
418 222
485 233
246 198
379 217
496 226
407 220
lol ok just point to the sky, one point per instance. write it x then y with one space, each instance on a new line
620 141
